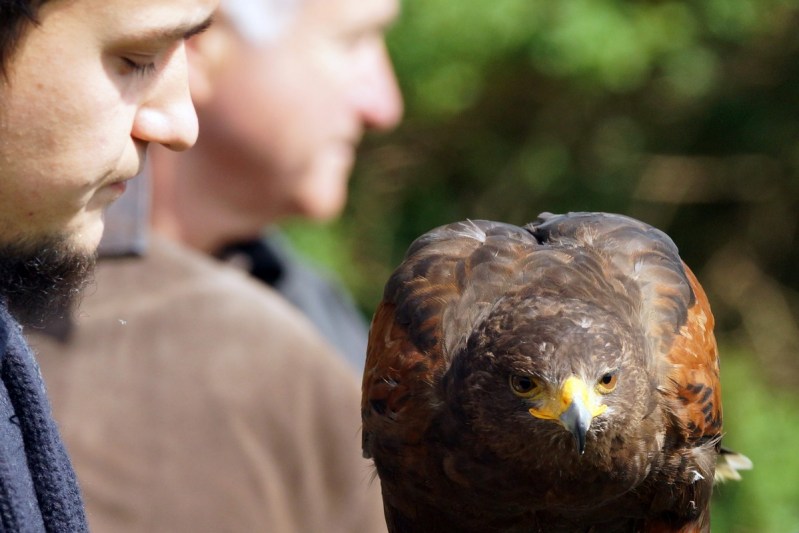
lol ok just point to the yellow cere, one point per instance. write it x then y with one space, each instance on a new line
573 388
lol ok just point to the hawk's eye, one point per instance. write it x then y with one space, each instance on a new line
607 382
522 385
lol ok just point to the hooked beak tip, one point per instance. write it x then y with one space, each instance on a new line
580 438
577 420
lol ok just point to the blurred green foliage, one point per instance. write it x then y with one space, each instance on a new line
683 114
763 421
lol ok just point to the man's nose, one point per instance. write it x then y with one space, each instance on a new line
168 117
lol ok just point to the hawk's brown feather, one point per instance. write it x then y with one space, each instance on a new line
693 361
480 312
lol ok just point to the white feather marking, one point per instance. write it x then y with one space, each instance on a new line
473 232
638 266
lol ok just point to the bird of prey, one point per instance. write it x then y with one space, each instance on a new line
561 376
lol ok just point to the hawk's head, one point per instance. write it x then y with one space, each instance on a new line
552 384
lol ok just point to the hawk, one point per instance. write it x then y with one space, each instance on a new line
561 376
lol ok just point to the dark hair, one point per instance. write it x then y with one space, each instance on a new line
15 17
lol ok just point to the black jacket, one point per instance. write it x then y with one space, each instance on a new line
38 489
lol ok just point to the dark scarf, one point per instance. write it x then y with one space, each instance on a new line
38 488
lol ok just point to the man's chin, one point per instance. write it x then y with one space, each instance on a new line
41 279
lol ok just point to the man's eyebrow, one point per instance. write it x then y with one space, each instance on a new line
198 28
174 33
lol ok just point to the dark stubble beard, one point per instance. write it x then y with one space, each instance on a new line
41 280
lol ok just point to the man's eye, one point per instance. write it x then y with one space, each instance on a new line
139 68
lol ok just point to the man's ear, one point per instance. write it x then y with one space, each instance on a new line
206 53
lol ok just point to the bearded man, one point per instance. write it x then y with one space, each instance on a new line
85 87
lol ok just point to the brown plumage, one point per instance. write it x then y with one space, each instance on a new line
557 377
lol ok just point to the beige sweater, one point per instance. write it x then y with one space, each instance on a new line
194 399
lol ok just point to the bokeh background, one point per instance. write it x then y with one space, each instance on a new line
684 114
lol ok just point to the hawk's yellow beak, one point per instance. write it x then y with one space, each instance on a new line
575 406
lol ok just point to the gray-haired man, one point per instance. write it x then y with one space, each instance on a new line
285 109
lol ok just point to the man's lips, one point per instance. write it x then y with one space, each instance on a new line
113 190
119 185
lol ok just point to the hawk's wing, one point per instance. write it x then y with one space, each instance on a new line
450 276
692 377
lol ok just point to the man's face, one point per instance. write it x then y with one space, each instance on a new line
87 90
287 116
